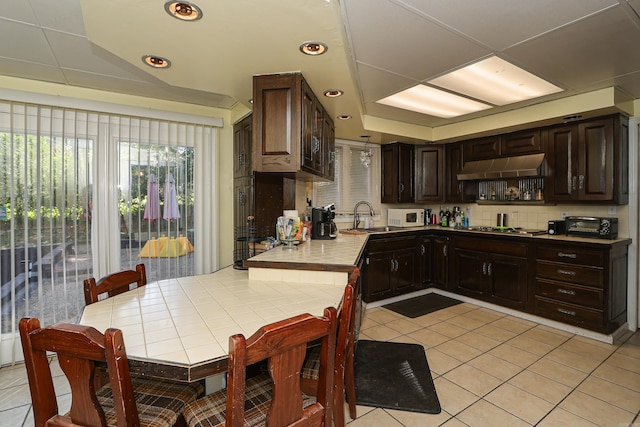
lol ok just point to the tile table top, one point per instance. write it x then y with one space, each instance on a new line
180 328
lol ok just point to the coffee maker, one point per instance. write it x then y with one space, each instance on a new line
323 227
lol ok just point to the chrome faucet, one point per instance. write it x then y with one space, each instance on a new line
356 215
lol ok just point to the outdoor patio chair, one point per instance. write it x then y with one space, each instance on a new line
275 397
344 379
114 284
125 401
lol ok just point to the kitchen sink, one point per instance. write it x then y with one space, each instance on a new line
381 229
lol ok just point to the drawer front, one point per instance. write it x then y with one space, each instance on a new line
579 274
389 244
578 295
571 255
567 313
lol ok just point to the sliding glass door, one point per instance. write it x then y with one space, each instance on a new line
87 194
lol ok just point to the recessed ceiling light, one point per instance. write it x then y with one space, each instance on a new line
344 117
313 48
183 10
156 61
333 93
427 100
496 81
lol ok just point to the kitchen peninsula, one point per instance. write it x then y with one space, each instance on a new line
572 283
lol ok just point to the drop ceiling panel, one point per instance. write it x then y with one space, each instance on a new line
13 68
72 53
377 84
390 37
579 55
65 16
27 35
19 11
511 21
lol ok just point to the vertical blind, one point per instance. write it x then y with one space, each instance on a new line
72 204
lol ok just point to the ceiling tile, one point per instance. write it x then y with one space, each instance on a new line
18 11
73 52
28 35
14 68
566 57
377 84
418 49
61 15
511 21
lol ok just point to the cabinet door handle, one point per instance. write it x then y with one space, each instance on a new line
581 182
396 261
393 266
567 312
241 159
573 182
241 198
566 291
484 268
422 250
316 145
402 188
489 269
566 255
444 250
567 272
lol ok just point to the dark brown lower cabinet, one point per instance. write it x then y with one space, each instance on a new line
582 284
391 268
491 270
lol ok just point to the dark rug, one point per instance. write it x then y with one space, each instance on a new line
394 376
424 304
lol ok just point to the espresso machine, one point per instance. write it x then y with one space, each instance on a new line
323 227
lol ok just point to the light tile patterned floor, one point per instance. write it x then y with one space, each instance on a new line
489 369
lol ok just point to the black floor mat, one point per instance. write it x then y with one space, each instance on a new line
424 304
394 376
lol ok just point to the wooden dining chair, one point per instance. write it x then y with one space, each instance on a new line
344 378
275 397
126 401
114 284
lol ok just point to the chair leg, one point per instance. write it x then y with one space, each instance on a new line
338 404
350 383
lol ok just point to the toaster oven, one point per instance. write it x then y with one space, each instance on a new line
596 227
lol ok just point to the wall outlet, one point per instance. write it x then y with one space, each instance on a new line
564 215
612 210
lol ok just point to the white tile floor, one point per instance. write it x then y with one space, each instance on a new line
489 369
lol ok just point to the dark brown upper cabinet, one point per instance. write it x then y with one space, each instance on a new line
292 132
505 145
397 173
429 173
588 161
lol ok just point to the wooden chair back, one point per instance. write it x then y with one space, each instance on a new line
114 284
344 377
78 349
283 344
345 348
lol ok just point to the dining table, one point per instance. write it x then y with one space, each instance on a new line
179 328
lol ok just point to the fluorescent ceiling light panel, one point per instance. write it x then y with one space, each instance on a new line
496 81
435 102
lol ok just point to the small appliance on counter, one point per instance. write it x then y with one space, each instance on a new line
595 227
557 227
405 217
323 226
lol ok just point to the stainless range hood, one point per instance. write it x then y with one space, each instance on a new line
506 167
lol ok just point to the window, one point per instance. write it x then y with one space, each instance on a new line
357 177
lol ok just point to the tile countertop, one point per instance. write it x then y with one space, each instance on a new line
339 254
183 325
